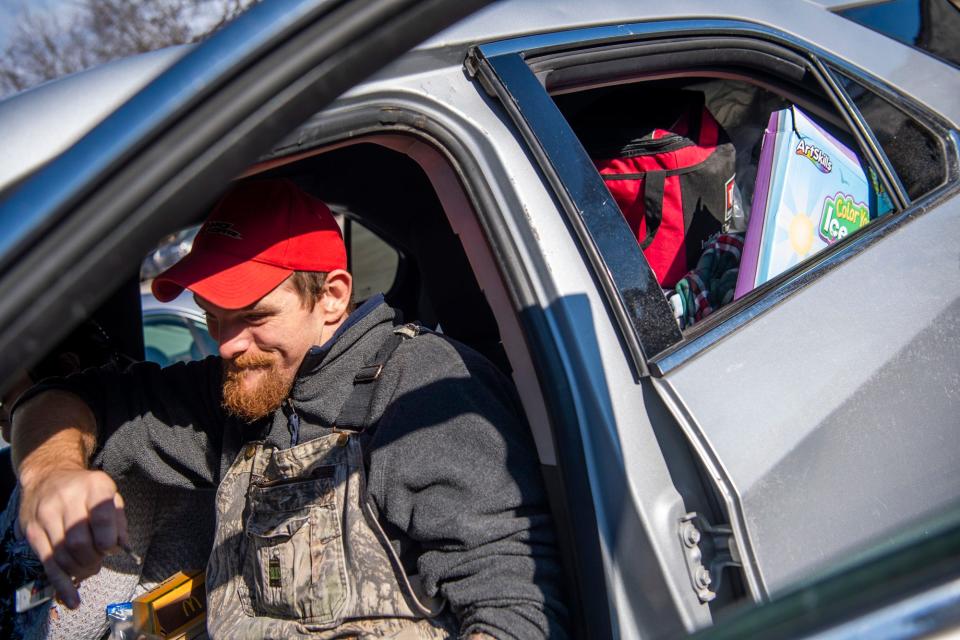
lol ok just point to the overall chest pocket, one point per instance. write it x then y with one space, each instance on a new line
294 566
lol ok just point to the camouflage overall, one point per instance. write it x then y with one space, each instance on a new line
299 552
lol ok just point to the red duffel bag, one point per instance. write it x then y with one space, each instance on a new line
674 186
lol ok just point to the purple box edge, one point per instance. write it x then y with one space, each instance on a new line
746 279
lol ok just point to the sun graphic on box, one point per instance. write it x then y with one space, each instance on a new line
794 235
801 234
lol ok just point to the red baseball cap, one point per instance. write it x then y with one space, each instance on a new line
259 233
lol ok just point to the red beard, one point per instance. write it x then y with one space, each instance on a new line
265 398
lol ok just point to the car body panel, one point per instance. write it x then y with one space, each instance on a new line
812 408
905 589
633 521
622 421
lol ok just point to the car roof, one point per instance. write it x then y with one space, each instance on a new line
908 70
43 121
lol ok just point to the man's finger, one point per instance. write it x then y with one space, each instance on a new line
123 536
49 524
79 542
60 580
103 525
84 560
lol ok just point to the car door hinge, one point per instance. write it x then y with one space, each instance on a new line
708 550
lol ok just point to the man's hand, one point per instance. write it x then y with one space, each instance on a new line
71 516
72 519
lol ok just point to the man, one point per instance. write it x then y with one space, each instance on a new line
366 473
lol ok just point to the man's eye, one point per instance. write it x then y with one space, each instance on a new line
256 318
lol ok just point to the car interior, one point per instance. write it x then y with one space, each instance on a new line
400 243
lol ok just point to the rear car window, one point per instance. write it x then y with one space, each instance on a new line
915 153
725 184
929 25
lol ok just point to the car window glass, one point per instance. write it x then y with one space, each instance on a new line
206 344
167 340
913 150
724 183
373 262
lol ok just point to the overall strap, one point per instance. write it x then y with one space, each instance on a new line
355 414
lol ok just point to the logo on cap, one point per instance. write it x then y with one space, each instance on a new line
224 229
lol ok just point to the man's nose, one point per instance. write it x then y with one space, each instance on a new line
233 343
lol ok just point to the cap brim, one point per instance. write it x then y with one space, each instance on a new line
223 280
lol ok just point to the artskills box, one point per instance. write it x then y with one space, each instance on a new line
811 191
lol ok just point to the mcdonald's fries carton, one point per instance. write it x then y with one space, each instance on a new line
176 609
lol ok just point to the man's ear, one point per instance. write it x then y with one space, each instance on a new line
335 295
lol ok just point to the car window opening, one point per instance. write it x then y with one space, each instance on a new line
725 183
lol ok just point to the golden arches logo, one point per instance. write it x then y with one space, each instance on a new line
191 606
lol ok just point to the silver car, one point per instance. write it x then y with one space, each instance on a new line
690 470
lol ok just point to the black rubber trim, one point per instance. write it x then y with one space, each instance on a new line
869 146
688 51
873 586
653 63
890 179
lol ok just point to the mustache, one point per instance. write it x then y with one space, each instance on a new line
250 361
